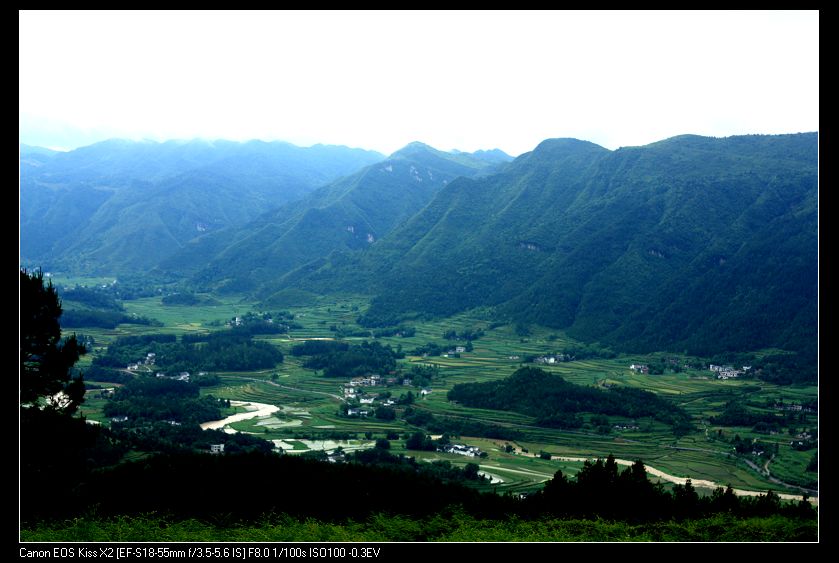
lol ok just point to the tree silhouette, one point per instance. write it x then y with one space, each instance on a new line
46 359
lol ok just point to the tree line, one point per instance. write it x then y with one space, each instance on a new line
215 351
339 359
557 403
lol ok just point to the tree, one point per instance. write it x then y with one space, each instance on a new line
46 359
419 441
471 471
685 500
385 413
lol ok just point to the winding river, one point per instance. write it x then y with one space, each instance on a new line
254 410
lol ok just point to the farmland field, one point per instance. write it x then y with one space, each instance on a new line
310 414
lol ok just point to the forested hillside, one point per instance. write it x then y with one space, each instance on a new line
123 206
348 215
691 243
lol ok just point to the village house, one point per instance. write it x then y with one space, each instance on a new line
552 359
425 392
369 381
357 412
460 449
640 368
792 407
216 448
335 457
725 372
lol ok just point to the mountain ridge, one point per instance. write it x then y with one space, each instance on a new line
615 245
122 205
349 214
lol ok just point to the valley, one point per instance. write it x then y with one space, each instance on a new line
417 276
305 407
573 333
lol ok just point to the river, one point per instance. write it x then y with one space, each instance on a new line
254 410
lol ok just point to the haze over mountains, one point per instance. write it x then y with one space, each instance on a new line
691 243
348 215
124 205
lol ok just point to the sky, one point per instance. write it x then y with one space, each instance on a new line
379 80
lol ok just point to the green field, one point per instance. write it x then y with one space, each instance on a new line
310 403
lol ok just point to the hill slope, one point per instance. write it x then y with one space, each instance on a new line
123 205
347 215
690 243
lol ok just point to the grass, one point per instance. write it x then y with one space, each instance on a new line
450 527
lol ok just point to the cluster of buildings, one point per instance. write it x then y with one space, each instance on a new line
368 381
354 389
794 407
451 353
368 402
640 368
182 376
552 359
728 372
375 380
460 449
147 361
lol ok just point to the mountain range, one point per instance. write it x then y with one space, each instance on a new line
689 244
348 215
124 205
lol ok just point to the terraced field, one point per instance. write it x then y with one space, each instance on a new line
703 454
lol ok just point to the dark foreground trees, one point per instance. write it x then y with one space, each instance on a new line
602 490
46 359
57 450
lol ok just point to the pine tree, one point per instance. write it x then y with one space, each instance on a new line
46 359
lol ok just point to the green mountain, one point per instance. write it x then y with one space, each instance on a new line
691 243
348 215
124 205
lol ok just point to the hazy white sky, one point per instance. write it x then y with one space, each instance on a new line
379 80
